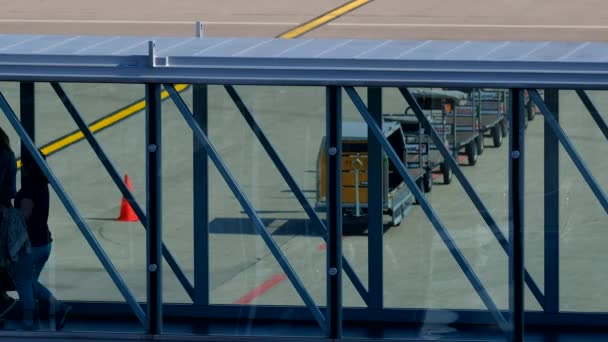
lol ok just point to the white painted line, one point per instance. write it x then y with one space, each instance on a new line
141 22
270 23
583 27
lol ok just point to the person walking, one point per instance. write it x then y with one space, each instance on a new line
33 200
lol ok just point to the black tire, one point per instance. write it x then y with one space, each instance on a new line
471 150
497 135
530 111
480 145
446 171
352 225
427 180
420 184
504 128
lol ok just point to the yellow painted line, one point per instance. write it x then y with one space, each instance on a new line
324 19
101 124
141 105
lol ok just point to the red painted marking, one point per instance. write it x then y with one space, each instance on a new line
323 246
462 159
436 175
270 283
261 289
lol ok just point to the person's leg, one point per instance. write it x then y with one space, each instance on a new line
6 302
54 307
23 271
40 256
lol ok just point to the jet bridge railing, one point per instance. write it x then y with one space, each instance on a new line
330 318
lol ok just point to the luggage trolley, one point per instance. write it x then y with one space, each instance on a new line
397 197
436 105
464 121
492 114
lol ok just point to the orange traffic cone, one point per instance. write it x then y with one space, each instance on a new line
126 211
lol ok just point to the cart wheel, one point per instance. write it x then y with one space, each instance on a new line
352 225
420 184
504 128
530 111
446 171
497 135
428 181
479 141
471 150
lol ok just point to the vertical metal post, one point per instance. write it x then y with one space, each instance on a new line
375 229
516 216
154 208
201 198
334 212
551 207
27 115
199 30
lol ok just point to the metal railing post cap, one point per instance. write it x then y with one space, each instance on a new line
199 29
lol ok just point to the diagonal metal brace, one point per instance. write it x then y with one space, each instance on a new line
274 156
248 207
595 114
430 213
73 211
569 147
69 105
468 188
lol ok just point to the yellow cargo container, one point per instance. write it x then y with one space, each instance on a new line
397 198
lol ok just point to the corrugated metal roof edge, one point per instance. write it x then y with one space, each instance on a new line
303 71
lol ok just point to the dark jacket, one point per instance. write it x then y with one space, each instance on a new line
8 176
37 224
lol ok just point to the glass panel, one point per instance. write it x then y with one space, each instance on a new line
582 218
73 272
177 210
420 271
242 269
534 199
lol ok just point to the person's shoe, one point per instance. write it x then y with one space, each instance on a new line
6 305
61 314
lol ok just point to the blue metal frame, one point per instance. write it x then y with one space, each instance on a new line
293 186
154 209
375 230
569 147
248 207
468 188
74 213
516 216
551 207
301 314
334 210
595 114
113 172
430 213
200 193
27 106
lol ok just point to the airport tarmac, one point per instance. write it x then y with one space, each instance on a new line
419 271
